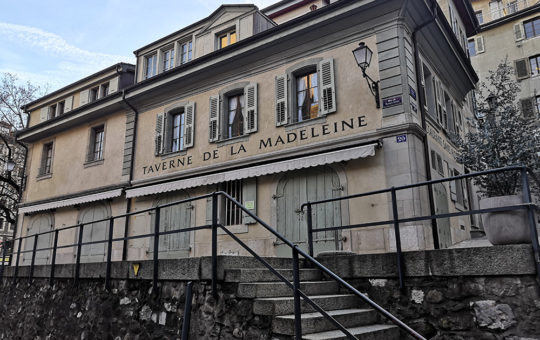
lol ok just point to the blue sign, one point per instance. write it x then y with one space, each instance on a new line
388 102
401 138
412 92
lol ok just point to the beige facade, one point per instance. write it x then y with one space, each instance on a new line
275 115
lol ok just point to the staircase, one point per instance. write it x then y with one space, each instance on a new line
274 298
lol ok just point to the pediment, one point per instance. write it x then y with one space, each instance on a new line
225 14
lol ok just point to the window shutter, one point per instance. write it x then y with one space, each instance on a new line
189 126
249 195
527 107
159 134
522 68
480 45
44 113
250 117
213 128
90 151
281 100
211 188
519 33
327 98
69 104
113 85
83 97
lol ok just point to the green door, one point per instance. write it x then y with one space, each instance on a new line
98 231
39 224
298 187
441 207
173 218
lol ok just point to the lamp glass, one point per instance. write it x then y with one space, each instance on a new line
491 101
363 56
10 165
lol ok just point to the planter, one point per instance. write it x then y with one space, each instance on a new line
505 227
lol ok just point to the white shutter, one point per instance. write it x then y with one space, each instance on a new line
43 114
83 97
281 100
327 98
68 104
213 128
479 44
519 33
250 116
113 85
189 126
159 134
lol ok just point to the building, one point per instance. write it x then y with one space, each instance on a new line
510 30
271 107
8 193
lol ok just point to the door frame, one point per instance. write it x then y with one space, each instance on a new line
50 216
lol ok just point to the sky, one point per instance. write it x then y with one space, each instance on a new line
54 43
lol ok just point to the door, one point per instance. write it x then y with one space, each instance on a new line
39 224
441 207
98 231
175 217
298 187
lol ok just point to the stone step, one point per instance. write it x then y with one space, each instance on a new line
285 305
316 322
277 289
371 332
265 275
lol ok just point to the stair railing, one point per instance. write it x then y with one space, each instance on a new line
396 220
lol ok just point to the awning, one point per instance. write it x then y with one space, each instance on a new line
71 201
256 171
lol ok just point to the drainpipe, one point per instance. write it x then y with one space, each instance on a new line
128 206
421 104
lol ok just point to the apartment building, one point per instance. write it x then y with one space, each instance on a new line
510 30
271 107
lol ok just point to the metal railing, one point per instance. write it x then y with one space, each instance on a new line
296 252
510 7
396 220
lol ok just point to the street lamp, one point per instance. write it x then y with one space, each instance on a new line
363 55
10 165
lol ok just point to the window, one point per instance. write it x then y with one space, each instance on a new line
61 108
174 129
46 159
534 63
433 160
226 39
496 8
440 165
52 111
532 28
233 113
232 213
94 94
479 17
312 92
151 66
530 107
512 7
104 90
472 47
187 51
537 104
95 150
168 59
229 214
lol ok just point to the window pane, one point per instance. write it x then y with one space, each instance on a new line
233 38
534 61
235 120
528 27
536 26
223 41
472 48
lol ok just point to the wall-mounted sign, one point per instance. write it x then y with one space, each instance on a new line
249 205
412 92
401 138
393 101
413 107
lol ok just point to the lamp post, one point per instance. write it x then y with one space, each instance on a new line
363 55
492 102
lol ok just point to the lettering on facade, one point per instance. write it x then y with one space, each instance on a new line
441 141
263 144
393 101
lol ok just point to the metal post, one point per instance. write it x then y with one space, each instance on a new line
187 311
33 259
156 252
398 240
296 284
310 229
53 261
214 243
532 224
16 272
109 255
3 260
79 250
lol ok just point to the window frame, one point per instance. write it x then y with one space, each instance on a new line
51 113
534 72
479 16
189 51
227 126
307 71
167 58
152 57
47 157
532 23
226 34
91 158
164 129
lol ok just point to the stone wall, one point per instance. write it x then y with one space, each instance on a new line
127 312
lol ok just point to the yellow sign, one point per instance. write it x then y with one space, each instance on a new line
136 267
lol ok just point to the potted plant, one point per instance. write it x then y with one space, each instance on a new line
502 135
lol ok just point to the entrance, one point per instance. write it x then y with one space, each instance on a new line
173 218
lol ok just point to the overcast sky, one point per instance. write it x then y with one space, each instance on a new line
57 42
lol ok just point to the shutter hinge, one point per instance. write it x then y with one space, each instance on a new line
338 188
276 196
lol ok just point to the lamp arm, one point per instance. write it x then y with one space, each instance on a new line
373 87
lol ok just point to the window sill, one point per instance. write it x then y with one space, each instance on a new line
167 155
44 176
304 123
235 229
233 140
93 163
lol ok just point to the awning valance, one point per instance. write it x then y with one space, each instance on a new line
256 171
71 201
